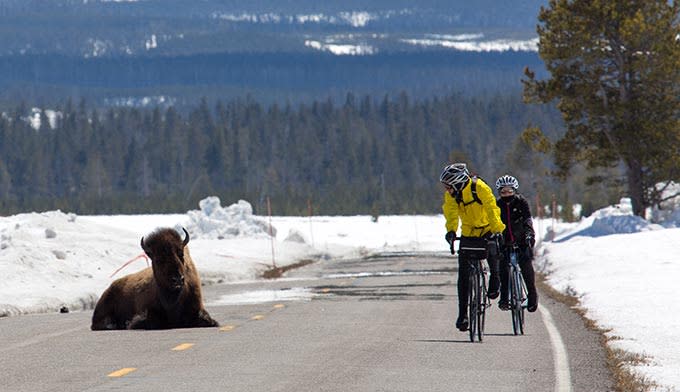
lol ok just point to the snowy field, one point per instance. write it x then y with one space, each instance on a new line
622 268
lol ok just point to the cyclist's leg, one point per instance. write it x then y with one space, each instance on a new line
463 290
504 275
525 263
493 259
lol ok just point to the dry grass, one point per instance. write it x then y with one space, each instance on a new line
619 361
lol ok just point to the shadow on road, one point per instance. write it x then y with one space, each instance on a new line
442 341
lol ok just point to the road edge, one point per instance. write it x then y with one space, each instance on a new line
618 361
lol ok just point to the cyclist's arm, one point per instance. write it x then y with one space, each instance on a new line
526 218
493 213
450 210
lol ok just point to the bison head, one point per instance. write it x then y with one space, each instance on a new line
165 248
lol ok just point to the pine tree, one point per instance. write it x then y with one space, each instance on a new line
615 71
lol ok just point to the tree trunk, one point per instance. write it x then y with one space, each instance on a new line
636 187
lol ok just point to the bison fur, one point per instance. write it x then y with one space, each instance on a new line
165 295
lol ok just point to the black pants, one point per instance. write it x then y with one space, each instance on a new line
525 263
464 276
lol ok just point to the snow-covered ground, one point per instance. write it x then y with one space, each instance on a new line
622 268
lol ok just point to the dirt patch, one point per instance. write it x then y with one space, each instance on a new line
277 272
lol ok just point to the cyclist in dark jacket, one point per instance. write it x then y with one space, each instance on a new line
516 215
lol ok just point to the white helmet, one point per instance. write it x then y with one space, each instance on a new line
507 181
455 175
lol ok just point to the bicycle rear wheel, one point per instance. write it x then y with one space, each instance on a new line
473 300
516 301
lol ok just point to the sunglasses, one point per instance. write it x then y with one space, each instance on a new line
507 191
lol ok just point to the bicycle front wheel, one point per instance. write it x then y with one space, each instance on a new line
481 306
473 307
516 301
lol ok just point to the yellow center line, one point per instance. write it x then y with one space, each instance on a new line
182 347
279 306
227 328
326 290
122 372
257 317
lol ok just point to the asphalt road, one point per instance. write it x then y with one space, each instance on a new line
377 324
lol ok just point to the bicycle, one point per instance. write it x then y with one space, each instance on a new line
474 249
517 290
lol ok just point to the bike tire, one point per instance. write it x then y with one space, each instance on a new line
472 304
516 302
513 301
481 306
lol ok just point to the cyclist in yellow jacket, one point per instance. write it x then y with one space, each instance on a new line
470 203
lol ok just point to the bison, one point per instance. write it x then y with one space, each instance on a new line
165 295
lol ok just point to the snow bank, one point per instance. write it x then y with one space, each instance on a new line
616 219
52 259
213 221
624 271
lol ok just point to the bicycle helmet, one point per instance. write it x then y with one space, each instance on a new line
455 175
507 181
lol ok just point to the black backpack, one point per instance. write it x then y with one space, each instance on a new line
473 189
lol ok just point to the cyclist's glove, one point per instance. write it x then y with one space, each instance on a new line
530 241
451 238
498 239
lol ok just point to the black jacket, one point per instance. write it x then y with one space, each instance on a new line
517 217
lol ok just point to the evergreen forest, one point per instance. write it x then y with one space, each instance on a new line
365 155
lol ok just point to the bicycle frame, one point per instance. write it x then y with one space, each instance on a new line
478 301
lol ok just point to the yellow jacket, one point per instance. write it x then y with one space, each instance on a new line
477 219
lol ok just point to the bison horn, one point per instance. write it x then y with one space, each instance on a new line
186 236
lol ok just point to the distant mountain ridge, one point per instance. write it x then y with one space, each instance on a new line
173 27
127 50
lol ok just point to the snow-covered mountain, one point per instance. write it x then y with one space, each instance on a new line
95 28
113 52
